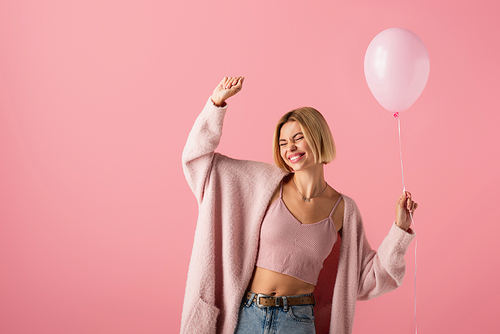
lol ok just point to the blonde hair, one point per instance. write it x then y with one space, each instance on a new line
316 132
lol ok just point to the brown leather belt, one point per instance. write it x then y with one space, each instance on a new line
263 301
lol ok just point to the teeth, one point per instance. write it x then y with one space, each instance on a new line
295 158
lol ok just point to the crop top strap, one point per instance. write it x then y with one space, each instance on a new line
336 204
281 189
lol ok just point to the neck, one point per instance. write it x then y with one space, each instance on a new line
310 182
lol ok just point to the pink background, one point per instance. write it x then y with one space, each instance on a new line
96 102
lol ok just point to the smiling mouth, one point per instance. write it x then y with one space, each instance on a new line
296 157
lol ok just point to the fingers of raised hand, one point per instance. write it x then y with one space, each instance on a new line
239 83
227 82
221 85
232 81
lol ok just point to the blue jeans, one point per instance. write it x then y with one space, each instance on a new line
271 320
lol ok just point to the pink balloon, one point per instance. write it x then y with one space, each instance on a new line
396 68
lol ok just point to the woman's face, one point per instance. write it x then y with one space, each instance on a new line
294 148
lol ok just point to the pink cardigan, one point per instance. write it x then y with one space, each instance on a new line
233 196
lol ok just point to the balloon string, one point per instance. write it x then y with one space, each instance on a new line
415 279
396 115
400 151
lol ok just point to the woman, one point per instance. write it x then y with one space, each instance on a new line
264 232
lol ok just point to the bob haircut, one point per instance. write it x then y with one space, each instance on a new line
316 132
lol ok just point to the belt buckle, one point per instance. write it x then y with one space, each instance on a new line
257 301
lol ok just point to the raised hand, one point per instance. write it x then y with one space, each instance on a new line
228 87
405 207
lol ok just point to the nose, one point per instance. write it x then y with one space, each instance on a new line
292 147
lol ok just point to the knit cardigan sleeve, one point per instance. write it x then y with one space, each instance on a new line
364 273
383 271
198 153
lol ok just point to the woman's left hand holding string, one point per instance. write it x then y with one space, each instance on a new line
405 207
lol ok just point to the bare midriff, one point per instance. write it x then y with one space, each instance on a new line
272 283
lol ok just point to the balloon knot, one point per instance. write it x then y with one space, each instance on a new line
396 115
